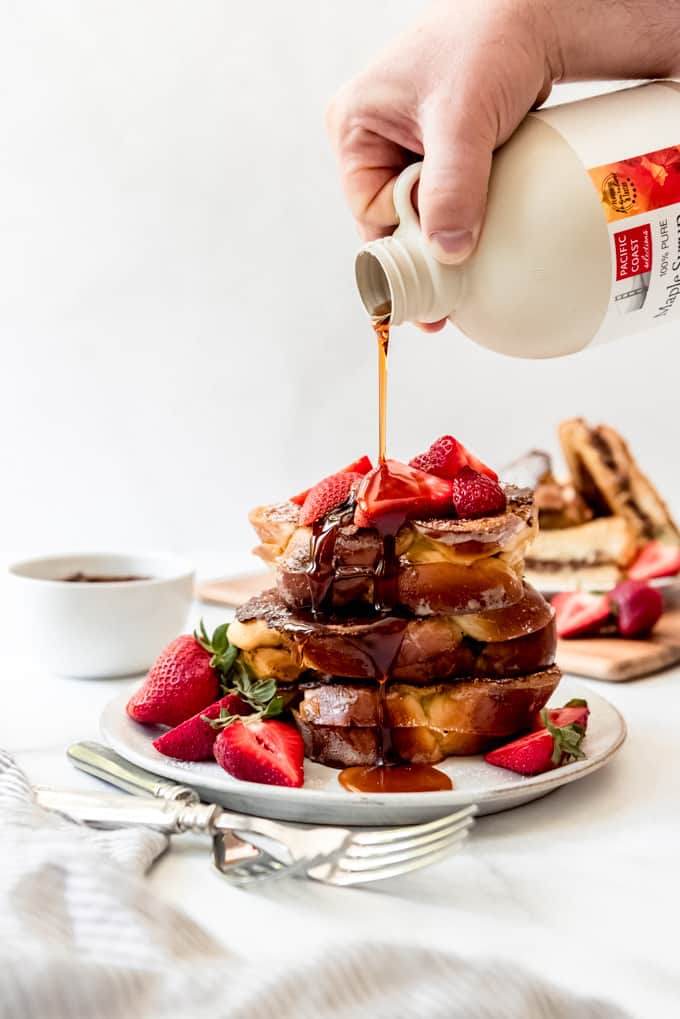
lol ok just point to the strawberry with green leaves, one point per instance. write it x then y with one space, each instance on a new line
184 679
550 747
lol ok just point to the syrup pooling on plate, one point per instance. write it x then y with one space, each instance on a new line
400 778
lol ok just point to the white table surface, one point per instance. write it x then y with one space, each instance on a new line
581 886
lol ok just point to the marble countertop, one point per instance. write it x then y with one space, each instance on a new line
581 886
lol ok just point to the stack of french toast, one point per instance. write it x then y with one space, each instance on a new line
399 625
594 524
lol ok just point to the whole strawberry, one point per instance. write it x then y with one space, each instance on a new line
193 740
184 679
476 495
637 607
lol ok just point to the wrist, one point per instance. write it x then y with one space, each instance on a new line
610 39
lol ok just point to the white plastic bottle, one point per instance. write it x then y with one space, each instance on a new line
581 240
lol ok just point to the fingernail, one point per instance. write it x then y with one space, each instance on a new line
452 246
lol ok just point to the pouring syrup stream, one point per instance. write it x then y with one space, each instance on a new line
387 776
381 646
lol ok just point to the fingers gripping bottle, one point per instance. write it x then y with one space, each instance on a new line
581 239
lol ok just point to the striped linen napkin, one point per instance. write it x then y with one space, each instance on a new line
82 937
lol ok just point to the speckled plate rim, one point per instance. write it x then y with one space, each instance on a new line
322 798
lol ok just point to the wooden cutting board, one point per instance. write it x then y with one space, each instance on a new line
233 591
611 658
617 658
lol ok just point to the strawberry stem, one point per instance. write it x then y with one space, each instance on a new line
567 740
235 677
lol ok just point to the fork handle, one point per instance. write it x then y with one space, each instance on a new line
111 810
104 763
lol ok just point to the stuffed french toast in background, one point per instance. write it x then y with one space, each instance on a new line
605 521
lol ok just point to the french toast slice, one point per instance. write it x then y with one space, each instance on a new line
607 476
446 565
340 722
276 642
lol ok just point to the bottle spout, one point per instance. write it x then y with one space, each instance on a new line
374 286
400 281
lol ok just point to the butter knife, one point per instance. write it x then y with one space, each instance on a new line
103 763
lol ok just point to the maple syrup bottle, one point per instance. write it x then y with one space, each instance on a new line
581 239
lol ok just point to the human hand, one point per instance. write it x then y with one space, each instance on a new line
455 86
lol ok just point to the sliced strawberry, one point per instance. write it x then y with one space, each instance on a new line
656 560
193 740
446 457
268 752
575 711
540 751
394 492
361 466
637 607
579 612
475 495
325 496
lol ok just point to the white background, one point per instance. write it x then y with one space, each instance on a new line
181 336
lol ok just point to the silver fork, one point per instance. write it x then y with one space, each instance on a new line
331 855
236 858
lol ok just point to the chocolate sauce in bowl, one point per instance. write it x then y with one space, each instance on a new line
90 578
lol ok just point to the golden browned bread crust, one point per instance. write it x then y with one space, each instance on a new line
339 722
276 524
277 642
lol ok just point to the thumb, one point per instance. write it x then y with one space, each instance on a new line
454 181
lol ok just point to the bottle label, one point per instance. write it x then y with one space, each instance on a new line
640 199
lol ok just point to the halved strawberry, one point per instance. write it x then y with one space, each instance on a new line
325 496
476 495
579 612
574 712
656 560
193 740
361 466
637 607
268 752
548 748
394 492
446 457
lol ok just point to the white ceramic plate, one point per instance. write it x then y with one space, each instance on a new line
322 800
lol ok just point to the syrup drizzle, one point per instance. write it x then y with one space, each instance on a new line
322 554
381 645
381 326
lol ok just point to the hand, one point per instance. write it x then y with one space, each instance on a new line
456 86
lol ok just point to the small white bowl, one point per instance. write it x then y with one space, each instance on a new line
104 629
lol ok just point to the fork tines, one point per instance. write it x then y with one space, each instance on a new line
374 855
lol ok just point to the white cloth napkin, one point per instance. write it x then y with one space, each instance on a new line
82 937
